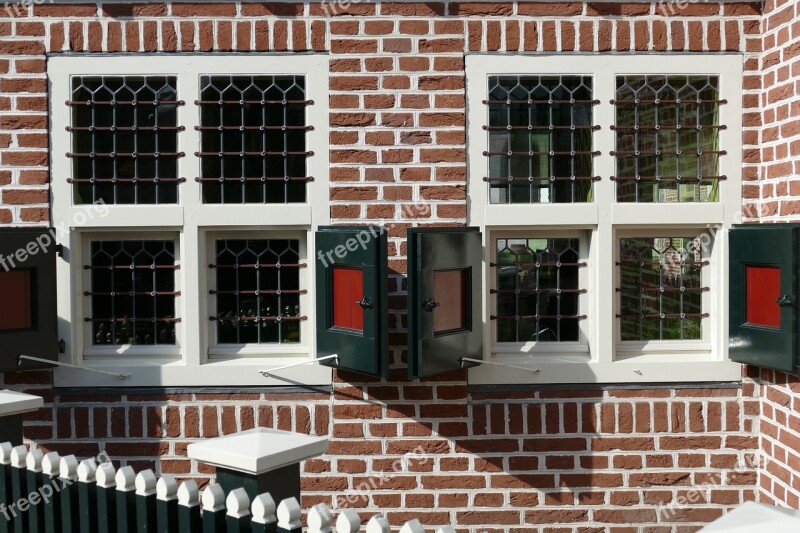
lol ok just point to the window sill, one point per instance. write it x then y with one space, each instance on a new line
157 373
564 369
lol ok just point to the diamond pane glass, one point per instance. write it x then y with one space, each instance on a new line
667 138
253 139
540 139
661 288
124 139
258 291
537 289
132 292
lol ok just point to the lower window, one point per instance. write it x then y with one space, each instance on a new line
536 287
257 291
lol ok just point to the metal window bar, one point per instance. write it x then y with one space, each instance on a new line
531 179
661 292
666 178
556 112
246 291
253 125
121 304
117 122
660 105
531 286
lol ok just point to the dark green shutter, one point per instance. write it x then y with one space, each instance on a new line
444 261
764 246
39 336
362 250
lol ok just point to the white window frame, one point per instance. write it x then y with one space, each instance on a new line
605 220
190 221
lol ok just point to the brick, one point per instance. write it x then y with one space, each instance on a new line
65 11
203 10
423 9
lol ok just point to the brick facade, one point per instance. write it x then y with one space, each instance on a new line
778 192
542 460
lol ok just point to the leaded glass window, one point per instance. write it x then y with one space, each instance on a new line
253 139
537 289
132 292
540 139
667 138
257 291
124 138
661 288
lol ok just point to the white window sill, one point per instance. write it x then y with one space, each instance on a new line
578 369
160 373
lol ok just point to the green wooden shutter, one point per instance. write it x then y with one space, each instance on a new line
352 297
763 295
28 323
445 321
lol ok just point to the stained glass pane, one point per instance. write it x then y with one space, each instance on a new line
258 291
124 135
667 138
132 292
253 139
537 289
540 139
661 288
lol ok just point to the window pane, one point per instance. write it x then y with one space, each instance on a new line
253 139
124 139
661 288
258 291
540 139
537 289
133 292
667 138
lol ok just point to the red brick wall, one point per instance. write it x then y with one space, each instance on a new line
574 460
779 191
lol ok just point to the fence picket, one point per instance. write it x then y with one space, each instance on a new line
289 516
68 474
87 495
167 504
263 511
5 486
378 524
39 494
126 500
106 505
320 519
35 485
145 501
238 515
18 485
348 522
412 526
213 509
51 464
189 508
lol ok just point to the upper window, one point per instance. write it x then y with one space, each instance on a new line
213 175
253 138
124 139
667 138
624 279
540 139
